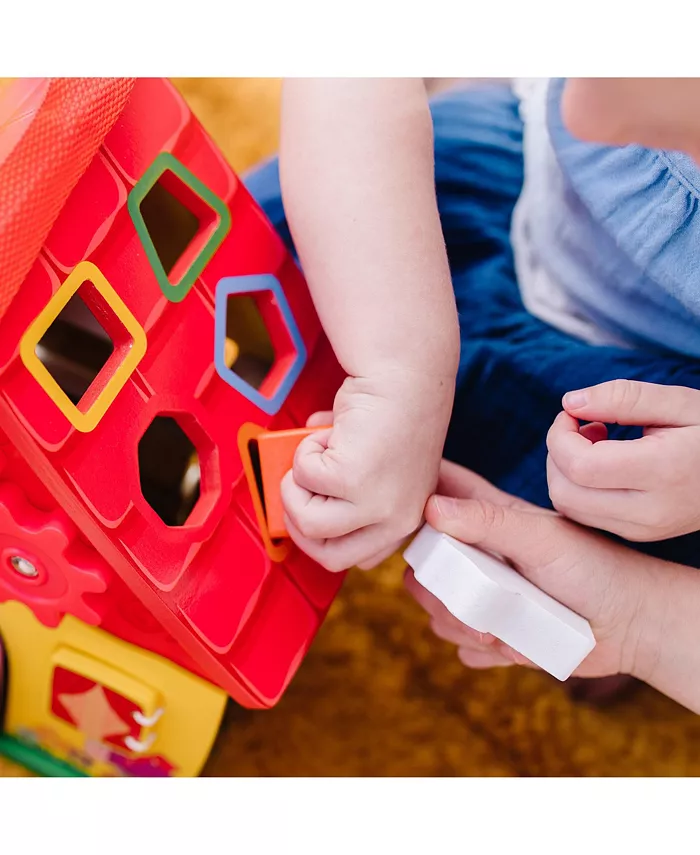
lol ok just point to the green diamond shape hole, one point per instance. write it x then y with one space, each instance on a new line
180 222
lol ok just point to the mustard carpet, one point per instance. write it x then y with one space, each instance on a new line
378 694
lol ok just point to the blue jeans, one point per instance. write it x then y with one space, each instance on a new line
514 368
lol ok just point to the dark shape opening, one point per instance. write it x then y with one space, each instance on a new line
171 224
254 457
77 347
169 470
249 350
254 454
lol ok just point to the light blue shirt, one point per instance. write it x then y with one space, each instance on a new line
622 237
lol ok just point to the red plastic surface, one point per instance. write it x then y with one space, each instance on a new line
229 612
64 576
117 611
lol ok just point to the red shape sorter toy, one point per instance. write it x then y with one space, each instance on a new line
139 588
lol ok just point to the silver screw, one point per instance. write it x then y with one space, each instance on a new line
23 567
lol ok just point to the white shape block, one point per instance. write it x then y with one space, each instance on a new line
490 596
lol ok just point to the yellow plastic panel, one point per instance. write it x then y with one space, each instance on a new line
180 713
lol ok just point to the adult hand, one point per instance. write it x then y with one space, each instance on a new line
598 579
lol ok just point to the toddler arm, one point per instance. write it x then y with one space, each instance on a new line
357 175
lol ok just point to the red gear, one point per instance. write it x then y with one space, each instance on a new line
64 568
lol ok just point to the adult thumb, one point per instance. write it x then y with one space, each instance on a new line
570 563
529 538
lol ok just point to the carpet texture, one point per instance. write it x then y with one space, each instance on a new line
378 694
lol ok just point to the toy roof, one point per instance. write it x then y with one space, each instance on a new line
78 160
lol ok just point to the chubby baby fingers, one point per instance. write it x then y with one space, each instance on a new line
314 516
314 469
598 462
321 419
590 505
340 553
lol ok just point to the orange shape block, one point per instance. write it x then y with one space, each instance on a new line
276 450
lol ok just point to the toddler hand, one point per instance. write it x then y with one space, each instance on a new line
643 489
359 488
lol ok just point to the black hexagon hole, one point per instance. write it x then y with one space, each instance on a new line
171 469
250 353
